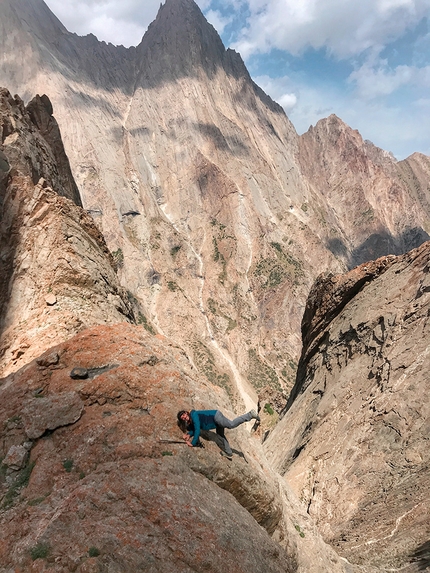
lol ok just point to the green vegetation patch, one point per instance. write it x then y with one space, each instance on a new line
215 310
68 465
175 250
171 285
259 373
141 319
269 410
36 500
365 217
212 305
228 242
14 421
272 271
93 551
20 482
289 371
118 258
40 551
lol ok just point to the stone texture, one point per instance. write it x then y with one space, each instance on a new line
4 171
218 217
40 112
16 457
377 205
354 440
57 273
105 481
51 412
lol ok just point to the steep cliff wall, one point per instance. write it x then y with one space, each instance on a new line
354 441
377 205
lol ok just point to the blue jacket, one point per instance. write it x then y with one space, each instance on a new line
201 420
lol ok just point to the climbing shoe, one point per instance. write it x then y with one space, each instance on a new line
226 455
255 415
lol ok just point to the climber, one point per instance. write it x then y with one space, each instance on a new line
191 422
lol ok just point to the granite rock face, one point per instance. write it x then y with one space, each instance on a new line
220 215
57 273
354 440
378 205
96 490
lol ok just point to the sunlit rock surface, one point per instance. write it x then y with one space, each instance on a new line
57 275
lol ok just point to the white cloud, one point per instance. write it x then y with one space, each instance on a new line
219 22
204 4
423 103
345 27
379 80
288 101
122 22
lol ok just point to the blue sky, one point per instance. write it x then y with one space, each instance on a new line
367 61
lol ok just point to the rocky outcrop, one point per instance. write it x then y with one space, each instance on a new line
353 443
58 276
32 145
86 484
4 172
40 111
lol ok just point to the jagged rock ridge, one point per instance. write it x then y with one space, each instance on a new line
58 276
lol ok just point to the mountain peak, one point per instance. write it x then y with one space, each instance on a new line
33 15
180 42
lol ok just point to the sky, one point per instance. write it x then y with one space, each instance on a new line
367 61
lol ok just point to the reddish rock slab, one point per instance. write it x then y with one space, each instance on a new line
100 492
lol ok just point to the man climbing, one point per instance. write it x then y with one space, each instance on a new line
192 422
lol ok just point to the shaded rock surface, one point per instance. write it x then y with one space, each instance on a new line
100 492
354 441
40 111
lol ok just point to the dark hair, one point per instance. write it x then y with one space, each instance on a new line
182 423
